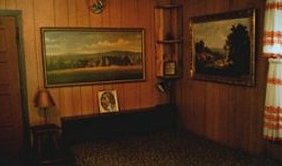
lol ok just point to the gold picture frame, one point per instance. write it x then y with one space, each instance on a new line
223 47
108 102
83 56
170 68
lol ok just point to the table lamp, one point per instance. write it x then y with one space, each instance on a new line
44 100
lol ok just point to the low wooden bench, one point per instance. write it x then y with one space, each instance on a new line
106 125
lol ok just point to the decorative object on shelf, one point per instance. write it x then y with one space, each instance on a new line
79 56
96 7
44 101
168 23
170 68
224 47
108 101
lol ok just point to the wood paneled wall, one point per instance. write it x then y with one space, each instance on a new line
228 114
79 100
225 113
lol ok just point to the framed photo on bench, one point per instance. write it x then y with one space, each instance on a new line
107 100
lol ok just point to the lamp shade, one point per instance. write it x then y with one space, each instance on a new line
43 99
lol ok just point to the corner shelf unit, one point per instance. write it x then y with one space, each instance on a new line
168 34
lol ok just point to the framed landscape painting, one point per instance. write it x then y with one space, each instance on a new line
78 56
224 47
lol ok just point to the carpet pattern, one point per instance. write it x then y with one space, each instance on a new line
169 148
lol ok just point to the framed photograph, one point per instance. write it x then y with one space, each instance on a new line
77 56
108 101
170 68
224 47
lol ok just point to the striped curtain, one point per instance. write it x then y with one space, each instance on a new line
272 49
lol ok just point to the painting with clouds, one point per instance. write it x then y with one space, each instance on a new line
75 56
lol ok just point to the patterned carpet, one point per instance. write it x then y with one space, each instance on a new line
169 148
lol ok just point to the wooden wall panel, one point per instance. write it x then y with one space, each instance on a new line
228 114
77 18
27 8
87 100
61 13
225 113
85 92
11 4
80 100
2 4
150 63
42 15
131 91
117 21
60 20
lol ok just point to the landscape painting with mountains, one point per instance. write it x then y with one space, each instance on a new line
86 56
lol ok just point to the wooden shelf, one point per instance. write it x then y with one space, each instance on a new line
168 33
169 77
168 6
175 41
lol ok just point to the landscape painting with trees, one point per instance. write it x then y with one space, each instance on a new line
223 47
89 55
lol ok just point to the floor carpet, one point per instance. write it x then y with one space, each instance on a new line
169 148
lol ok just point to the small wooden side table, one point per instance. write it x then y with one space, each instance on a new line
46 141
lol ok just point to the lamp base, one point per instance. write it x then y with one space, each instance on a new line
45 115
